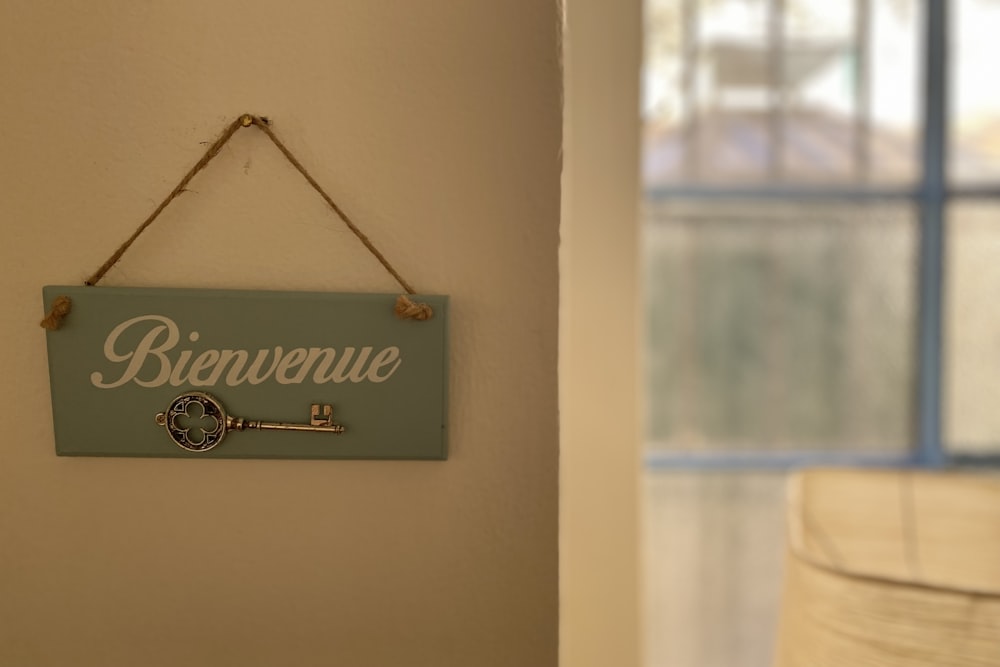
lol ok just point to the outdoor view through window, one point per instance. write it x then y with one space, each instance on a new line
784 185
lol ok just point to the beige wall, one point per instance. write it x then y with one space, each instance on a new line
437 125
599 333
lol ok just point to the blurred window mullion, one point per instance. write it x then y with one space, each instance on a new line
862 89
930 450
778 99
689 51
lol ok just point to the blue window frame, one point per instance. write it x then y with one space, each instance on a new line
928 193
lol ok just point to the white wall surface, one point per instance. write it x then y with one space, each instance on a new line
436 124
599 333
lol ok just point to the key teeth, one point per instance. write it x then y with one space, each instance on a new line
318 419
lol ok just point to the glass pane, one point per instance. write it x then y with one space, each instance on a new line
743 91
972 337
713 551
975 129
779 326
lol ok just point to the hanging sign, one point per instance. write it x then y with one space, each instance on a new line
246 374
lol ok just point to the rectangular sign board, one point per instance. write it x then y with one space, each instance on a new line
247 374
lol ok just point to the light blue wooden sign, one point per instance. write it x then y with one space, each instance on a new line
247 374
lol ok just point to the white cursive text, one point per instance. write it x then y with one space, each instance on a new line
154 361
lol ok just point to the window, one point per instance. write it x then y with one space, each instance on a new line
822 256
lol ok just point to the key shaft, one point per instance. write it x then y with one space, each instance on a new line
240 424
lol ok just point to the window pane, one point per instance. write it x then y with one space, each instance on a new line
972 341
743 92
975 130
779 326
713 556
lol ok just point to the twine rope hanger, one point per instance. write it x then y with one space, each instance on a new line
405 307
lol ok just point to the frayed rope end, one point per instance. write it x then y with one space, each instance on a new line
60 309
408 309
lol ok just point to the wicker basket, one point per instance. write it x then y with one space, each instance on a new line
891 569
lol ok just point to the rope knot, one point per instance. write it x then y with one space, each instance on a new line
60 309
408 309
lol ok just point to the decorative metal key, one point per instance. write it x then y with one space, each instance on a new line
197 421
